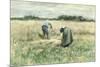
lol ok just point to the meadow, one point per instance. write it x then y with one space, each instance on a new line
29 48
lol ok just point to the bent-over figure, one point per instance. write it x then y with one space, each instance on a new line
46 29
67 37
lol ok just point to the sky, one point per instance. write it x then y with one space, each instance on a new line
50 10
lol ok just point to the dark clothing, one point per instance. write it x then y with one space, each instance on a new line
45 28
45 31
61 30
67 37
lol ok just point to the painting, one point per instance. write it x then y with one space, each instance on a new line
51 33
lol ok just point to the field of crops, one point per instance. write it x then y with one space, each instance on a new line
28 47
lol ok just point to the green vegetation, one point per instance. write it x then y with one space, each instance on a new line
62 17
28 48
74 18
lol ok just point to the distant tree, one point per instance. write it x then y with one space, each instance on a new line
30 17
77 18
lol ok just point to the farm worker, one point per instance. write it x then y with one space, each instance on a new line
67 37
46 29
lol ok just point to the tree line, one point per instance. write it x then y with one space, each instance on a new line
61 17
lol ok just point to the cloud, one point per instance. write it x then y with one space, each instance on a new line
22 8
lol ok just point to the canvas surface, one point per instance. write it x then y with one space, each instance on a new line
30 46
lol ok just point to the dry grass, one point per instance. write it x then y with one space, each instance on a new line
28 48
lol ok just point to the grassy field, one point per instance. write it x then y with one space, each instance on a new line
28 47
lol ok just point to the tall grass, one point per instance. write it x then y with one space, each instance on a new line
28 48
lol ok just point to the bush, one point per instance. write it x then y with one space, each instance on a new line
78 18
